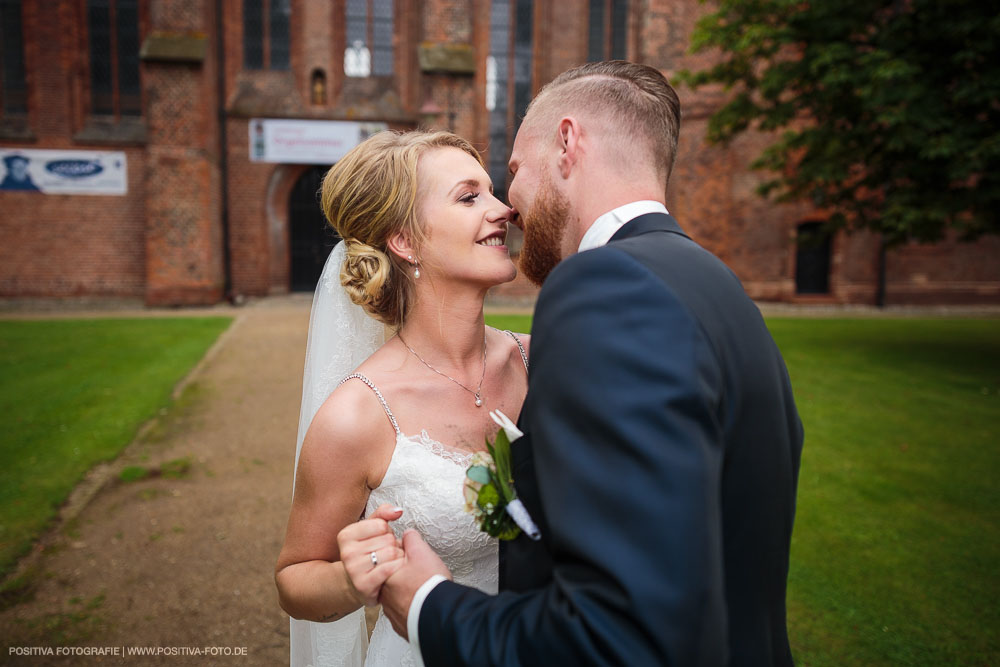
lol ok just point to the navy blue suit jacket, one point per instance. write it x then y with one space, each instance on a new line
660 460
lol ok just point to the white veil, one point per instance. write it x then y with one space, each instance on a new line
341 336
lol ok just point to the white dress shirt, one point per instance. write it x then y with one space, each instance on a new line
599 234
605 226
413 616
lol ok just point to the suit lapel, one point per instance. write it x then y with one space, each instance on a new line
645 224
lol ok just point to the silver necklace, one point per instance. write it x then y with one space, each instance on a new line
477 393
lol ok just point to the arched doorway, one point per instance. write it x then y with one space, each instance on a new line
312 238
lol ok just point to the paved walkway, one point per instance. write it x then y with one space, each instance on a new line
186 561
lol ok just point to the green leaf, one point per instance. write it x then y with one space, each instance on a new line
500 451
479 474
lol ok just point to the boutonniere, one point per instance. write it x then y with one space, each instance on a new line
489 487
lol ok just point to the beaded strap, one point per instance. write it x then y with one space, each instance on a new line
524 356
371 385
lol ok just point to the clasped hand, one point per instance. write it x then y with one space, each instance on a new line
371 553
396 571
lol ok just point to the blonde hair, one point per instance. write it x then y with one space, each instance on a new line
638 97
369 197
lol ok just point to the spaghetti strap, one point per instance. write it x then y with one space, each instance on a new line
371 385
524 355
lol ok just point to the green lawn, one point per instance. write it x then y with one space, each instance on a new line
895 552
897 536
73 393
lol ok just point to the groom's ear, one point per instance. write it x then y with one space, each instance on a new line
570 135
401 246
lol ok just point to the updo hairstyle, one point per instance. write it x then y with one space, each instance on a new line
369 196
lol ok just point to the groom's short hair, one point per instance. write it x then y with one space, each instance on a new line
636 98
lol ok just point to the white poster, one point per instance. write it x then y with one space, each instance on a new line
306 141
56 172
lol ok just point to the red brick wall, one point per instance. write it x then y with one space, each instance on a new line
248 215
183 211
183 219
67 245
949 272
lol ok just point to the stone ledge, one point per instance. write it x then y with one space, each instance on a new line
443 58
174 47
114 132
16 127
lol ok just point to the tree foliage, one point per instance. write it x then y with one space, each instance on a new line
887 112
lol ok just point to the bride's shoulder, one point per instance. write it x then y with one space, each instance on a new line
512 339
349 421
525 341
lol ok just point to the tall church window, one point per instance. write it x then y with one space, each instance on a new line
607 30
508 81
13 87
267 34
369 26
113 36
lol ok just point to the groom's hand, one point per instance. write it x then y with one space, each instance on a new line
398 591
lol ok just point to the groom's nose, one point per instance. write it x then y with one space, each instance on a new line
515 219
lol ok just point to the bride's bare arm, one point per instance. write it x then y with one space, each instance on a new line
342 450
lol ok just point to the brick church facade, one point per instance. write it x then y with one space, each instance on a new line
172 91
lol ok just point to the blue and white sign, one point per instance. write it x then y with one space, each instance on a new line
306 141
55 172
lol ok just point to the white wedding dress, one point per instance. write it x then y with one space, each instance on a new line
424 477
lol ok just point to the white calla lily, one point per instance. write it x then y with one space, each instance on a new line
508 426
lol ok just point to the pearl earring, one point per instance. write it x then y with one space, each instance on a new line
416 271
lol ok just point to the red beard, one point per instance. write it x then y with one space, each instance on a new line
544 228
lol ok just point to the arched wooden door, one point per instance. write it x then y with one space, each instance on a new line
312 237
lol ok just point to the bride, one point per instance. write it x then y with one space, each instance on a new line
423 242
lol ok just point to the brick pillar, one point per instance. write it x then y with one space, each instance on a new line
183 228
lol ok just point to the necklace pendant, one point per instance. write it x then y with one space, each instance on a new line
479 401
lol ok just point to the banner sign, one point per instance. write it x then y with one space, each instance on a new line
57 172
306 141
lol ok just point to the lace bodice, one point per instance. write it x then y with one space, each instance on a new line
425 479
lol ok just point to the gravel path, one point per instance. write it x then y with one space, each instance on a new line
185 561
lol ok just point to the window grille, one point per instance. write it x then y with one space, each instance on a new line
113 35
369 27
608 30
267 34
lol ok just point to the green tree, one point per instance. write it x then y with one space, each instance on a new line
887 112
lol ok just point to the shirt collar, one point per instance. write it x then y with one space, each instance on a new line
605 226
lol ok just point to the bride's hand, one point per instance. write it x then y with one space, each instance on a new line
370 553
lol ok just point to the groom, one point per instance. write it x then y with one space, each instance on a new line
662 444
